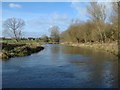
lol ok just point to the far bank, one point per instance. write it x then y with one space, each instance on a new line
107 47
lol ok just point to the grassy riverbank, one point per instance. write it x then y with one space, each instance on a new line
18 49
107 47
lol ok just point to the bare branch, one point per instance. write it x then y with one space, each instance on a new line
14 26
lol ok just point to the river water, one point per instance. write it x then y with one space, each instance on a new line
60 66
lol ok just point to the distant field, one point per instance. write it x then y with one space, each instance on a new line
21 41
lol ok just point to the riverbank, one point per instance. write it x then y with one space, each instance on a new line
18 49
107 47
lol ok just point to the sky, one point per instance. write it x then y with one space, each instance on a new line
40 16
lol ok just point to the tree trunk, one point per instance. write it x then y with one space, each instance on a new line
78 40
17 39
100 34
104 36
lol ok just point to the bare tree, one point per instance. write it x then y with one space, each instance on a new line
114 15
98 15
55 34
45 38
98 28
114 20
13 27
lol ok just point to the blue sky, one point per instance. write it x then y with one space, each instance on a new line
40 16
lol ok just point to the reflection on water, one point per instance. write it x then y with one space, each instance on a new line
62 66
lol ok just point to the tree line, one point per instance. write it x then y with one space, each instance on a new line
101 27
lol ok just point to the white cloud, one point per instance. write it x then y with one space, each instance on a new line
54 18
81 11
40 22
77 6
13 5
59 17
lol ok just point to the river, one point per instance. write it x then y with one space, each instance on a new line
59 66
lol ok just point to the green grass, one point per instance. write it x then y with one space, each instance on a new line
20 41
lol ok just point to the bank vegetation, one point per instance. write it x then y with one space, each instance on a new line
18 49
100 31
